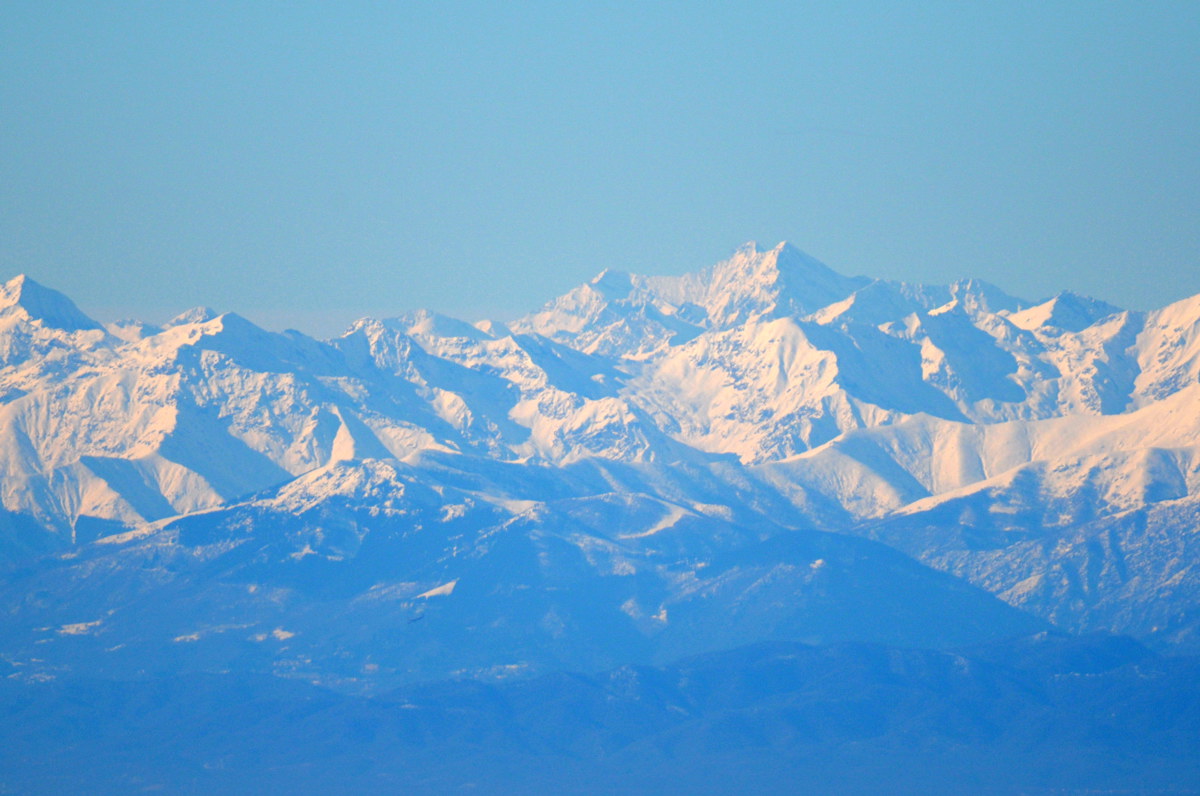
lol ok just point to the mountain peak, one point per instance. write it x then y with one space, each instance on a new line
754 282
194 315
976 295
41 303
752 247
783 280
613 285
1069 312
428 324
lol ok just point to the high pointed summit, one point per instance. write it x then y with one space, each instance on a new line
782 281
616 307
612 284
40 303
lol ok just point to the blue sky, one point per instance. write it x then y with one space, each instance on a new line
306 164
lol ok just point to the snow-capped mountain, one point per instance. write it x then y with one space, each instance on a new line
635 460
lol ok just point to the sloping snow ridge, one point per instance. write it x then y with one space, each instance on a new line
631 459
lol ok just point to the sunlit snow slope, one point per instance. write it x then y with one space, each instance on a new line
643 430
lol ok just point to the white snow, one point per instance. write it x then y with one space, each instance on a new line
764 380
444 590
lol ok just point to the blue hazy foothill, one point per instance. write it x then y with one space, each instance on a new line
1042 713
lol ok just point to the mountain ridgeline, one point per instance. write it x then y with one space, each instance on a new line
644 469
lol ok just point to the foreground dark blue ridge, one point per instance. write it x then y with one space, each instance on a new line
1048 713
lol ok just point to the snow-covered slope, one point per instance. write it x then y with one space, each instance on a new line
997 439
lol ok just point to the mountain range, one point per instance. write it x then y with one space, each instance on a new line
645 469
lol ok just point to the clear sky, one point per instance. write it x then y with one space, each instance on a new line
308 163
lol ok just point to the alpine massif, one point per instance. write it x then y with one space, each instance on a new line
646 469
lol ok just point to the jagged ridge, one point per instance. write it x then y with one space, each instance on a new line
766 392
